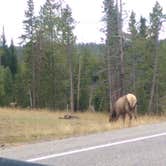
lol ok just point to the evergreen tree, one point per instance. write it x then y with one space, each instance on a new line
132 25
114 49
13 59
21 86
29 23
156 18
5 57
143 30
51 57
133 52
8 86
29 40
69 40
2 86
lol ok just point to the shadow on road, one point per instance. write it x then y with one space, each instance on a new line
11 162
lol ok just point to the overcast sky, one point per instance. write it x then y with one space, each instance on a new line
87 13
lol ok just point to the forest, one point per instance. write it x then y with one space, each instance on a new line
50 70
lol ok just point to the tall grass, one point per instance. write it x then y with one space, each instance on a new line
18 126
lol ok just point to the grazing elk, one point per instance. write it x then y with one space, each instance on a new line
13 104
126 104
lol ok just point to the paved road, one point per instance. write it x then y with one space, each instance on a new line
143 145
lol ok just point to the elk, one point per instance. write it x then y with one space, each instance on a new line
13 104
126 104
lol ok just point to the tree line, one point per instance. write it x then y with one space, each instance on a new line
50 70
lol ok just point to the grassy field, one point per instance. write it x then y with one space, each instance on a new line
20 126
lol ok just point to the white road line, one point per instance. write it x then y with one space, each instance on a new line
96 147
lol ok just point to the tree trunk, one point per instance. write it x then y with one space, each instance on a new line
91 106
154 80
69 53
108 52
33 79
133 73
121 52
78 84
30 98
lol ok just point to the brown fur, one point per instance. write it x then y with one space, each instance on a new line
124 105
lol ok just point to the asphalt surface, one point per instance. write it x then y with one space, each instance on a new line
142 145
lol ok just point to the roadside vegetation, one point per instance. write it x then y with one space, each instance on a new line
25 126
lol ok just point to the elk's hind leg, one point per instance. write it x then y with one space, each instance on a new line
130 118
124 118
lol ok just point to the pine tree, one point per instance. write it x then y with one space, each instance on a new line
5 59
29 39
13 59
51 57
156 18
8 86
29 23
132 25
143 30
120 46
133 33
69 40
115 49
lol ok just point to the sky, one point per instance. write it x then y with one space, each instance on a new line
87 13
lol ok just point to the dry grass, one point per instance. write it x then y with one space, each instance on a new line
18 126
